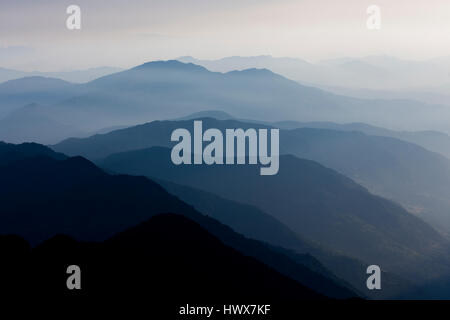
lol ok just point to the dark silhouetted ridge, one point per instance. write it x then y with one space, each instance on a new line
75 198
12 152
166 257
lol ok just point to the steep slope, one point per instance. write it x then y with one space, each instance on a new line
76 198
314 201
432 140
256 224
398 170
156 133
242 218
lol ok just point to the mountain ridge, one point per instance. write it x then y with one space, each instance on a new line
190 262
399 170
329 207
72 196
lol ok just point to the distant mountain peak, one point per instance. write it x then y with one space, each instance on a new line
254 71
13 152
33 84
215 114
170 65
38 79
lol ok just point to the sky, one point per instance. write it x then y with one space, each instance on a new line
124 33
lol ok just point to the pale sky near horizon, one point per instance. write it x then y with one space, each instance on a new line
33 34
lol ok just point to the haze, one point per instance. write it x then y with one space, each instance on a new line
125 33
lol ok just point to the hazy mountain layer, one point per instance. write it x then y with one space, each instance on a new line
256 224
405 172
168 89
74 197
371 72
77 76
316 202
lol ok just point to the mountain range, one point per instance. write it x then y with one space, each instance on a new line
168 89
187 263
396 169
15 94
435 141
369 156
72 196
256 224
76 76
75 179
381 77
315 202
350 192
